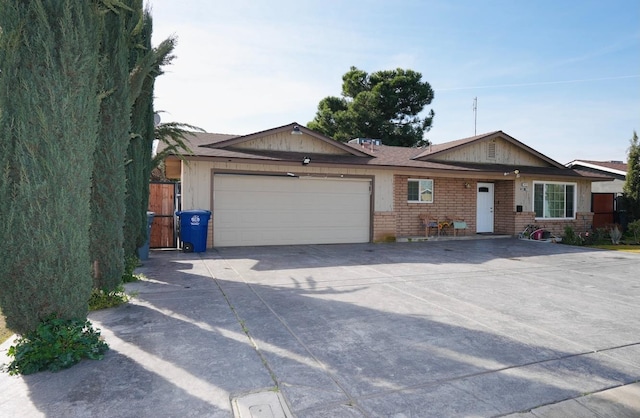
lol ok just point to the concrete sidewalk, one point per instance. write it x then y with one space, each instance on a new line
459 328
622 401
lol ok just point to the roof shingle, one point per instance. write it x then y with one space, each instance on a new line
375 156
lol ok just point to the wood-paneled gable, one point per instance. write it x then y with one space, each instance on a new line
492 151
284 141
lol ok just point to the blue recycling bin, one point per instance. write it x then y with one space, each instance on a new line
194 225
143 252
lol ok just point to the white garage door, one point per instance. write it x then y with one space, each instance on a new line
270 210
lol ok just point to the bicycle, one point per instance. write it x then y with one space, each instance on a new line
534 232
528 231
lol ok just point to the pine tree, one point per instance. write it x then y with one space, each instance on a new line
383 105
48 129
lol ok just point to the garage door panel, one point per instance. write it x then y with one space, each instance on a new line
288 237
261 210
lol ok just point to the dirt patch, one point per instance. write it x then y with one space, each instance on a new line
4 331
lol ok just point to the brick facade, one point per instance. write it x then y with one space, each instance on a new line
455 199
452 199
384 226
504 207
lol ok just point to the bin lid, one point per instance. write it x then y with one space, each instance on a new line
193 212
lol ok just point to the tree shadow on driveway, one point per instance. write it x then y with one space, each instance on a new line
471 252
346 335
403 356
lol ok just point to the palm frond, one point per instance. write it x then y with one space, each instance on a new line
174 136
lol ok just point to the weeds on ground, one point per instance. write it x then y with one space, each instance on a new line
130 264
100 299
55 345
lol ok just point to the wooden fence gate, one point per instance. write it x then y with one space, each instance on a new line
603 207
164 201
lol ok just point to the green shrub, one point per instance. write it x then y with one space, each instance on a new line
130 264
634 229
600 236
570 237
56 344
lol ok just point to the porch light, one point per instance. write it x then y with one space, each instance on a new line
306 160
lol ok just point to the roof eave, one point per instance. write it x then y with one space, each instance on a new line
596 167
487 137
290 127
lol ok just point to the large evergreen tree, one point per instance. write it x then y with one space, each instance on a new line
146 65
48 129
383 105
632 183
109 180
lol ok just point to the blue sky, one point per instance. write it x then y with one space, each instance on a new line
561 76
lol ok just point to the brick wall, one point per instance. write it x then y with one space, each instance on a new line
522 219
504 208
451 199
582 223
384 226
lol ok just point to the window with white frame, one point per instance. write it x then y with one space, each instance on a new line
420 191
553 200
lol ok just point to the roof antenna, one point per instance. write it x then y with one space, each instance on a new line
475 115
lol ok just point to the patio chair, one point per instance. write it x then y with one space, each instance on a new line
459 225
428 223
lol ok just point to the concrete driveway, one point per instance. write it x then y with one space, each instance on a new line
455 328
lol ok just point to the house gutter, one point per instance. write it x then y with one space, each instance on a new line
441 172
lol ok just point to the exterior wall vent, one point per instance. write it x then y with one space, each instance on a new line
491 150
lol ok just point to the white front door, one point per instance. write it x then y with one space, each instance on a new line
484 208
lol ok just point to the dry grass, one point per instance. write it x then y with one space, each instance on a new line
5 332
620 247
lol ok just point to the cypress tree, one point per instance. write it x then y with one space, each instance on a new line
631 186
146 66
48 129
109 180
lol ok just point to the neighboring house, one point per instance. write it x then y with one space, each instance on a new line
291 185
605 196
615 169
